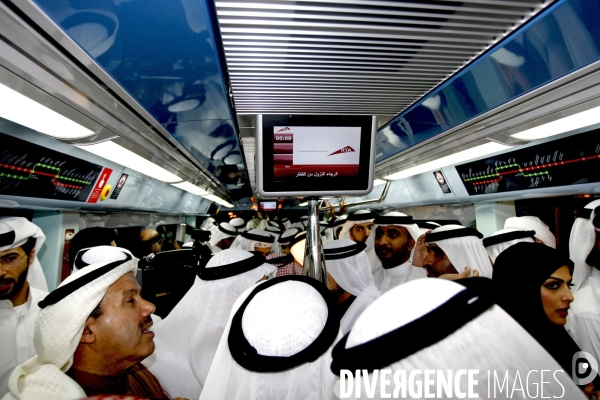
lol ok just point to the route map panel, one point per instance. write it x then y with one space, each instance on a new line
29 170
569 161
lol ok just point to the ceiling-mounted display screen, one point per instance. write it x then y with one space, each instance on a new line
29 170
569 161
314 155
267 206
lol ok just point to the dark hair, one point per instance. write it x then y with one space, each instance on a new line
89 237
29 245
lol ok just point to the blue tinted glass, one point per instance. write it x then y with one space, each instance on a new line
559 41
164 53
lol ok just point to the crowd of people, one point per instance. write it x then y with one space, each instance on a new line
253 327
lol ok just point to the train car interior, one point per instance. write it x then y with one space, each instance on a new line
146 118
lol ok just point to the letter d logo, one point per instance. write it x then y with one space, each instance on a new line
584 368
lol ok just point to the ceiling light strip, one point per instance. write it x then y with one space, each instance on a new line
566 124
191 188
452 159
24 111
120 155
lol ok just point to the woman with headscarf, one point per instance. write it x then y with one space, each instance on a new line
532 283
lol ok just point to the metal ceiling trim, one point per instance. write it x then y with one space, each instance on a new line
249 15
499 19
360 31
396 51
319 75
489 7
415 87
402 42
336 64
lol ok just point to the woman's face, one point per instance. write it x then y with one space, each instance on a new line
556 296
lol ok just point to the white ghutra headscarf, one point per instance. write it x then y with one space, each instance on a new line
464 330
347 262
59 327
248 240
358 217
224 231
501 240
186 340
463 248
276 344
14 232
581 242
542 232
393 218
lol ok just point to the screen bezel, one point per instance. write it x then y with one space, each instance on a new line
268 186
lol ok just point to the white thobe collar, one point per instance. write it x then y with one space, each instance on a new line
6 306
397 270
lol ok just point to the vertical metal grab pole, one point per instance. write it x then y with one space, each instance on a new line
314 260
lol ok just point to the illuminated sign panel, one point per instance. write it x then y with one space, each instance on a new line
29 170
568 161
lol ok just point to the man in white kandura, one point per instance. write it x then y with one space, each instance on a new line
392 246
453 250
90 336
349 279
276 344
186 340
583 322
20 241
